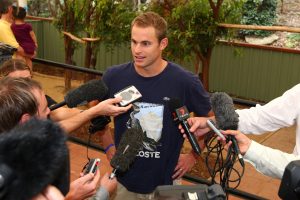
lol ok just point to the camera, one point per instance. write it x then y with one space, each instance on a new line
189 192
92 166
129 95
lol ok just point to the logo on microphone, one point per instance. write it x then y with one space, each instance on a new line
182 113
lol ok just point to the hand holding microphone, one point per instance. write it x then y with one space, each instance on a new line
226 119
180 115
242 140
91 90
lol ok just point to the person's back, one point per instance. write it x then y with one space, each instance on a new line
7 37
24 33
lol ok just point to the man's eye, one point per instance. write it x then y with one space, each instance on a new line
146 43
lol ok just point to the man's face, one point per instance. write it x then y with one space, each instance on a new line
20 74
145 47
43 110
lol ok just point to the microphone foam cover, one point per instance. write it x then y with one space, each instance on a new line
130 144
37 154
91 90
174 103
223 107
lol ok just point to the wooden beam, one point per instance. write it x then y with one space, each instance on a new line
265 28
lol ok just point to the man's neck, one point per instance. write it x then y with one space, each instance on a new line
153 70
6 17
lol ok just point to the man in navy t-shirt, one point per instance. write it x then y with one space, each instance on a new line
156 79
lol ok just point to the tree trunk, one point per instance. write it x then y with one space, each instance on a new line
88 55
68 60
205 61
205 74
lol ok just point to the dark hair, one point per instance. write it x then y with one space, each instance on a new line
19 12
16 99
152 19
13 65
4 5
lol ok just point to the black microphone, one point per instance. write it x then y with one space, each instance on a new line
130 144
226 117
91 90
180 115
32 156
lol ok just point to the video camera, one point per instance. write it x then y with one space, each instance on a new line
290 183
189 192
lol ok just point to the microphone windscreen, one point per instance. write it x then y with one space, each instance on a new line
91 90
223 107
130 144
37 155
174 104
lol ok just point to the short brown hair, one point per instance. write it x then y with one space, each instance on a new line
13 65
16 99
152 19
4 4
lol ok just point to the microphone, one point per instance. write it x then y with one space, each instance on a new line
32 156
91 90
130 144
180 115
226 117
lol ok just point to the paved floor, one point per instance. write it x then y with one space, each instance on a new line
252 182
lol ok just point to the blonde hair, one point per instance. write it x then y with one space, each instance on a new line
13 65
152 19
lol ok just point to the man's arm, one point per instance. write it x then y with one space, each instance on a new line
186 161
271 162
108 142
106 107
278 113
63 113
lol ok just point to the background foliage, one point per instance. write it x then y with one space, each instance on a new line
259 12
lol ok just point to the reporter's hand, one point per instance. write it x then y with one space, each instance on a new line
108 107
109 184
50 193
242 140
184 165
198 126
84 187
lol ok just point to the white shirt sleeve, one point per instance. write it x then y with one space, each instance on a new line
268 161
278 113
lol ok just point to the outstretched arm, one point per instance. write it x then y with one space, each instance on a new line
106 107
271 162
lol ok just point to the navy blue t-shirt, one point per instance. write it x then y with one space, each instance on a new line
155 164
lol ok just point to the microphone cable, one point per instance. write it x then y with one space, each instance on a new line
97 124
87 152
222 163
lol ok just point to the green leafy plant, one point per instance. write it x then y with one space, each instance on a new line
293 40
193 28
259 12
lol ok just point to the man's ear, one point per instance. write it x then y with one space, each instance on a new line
25 117
164 43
